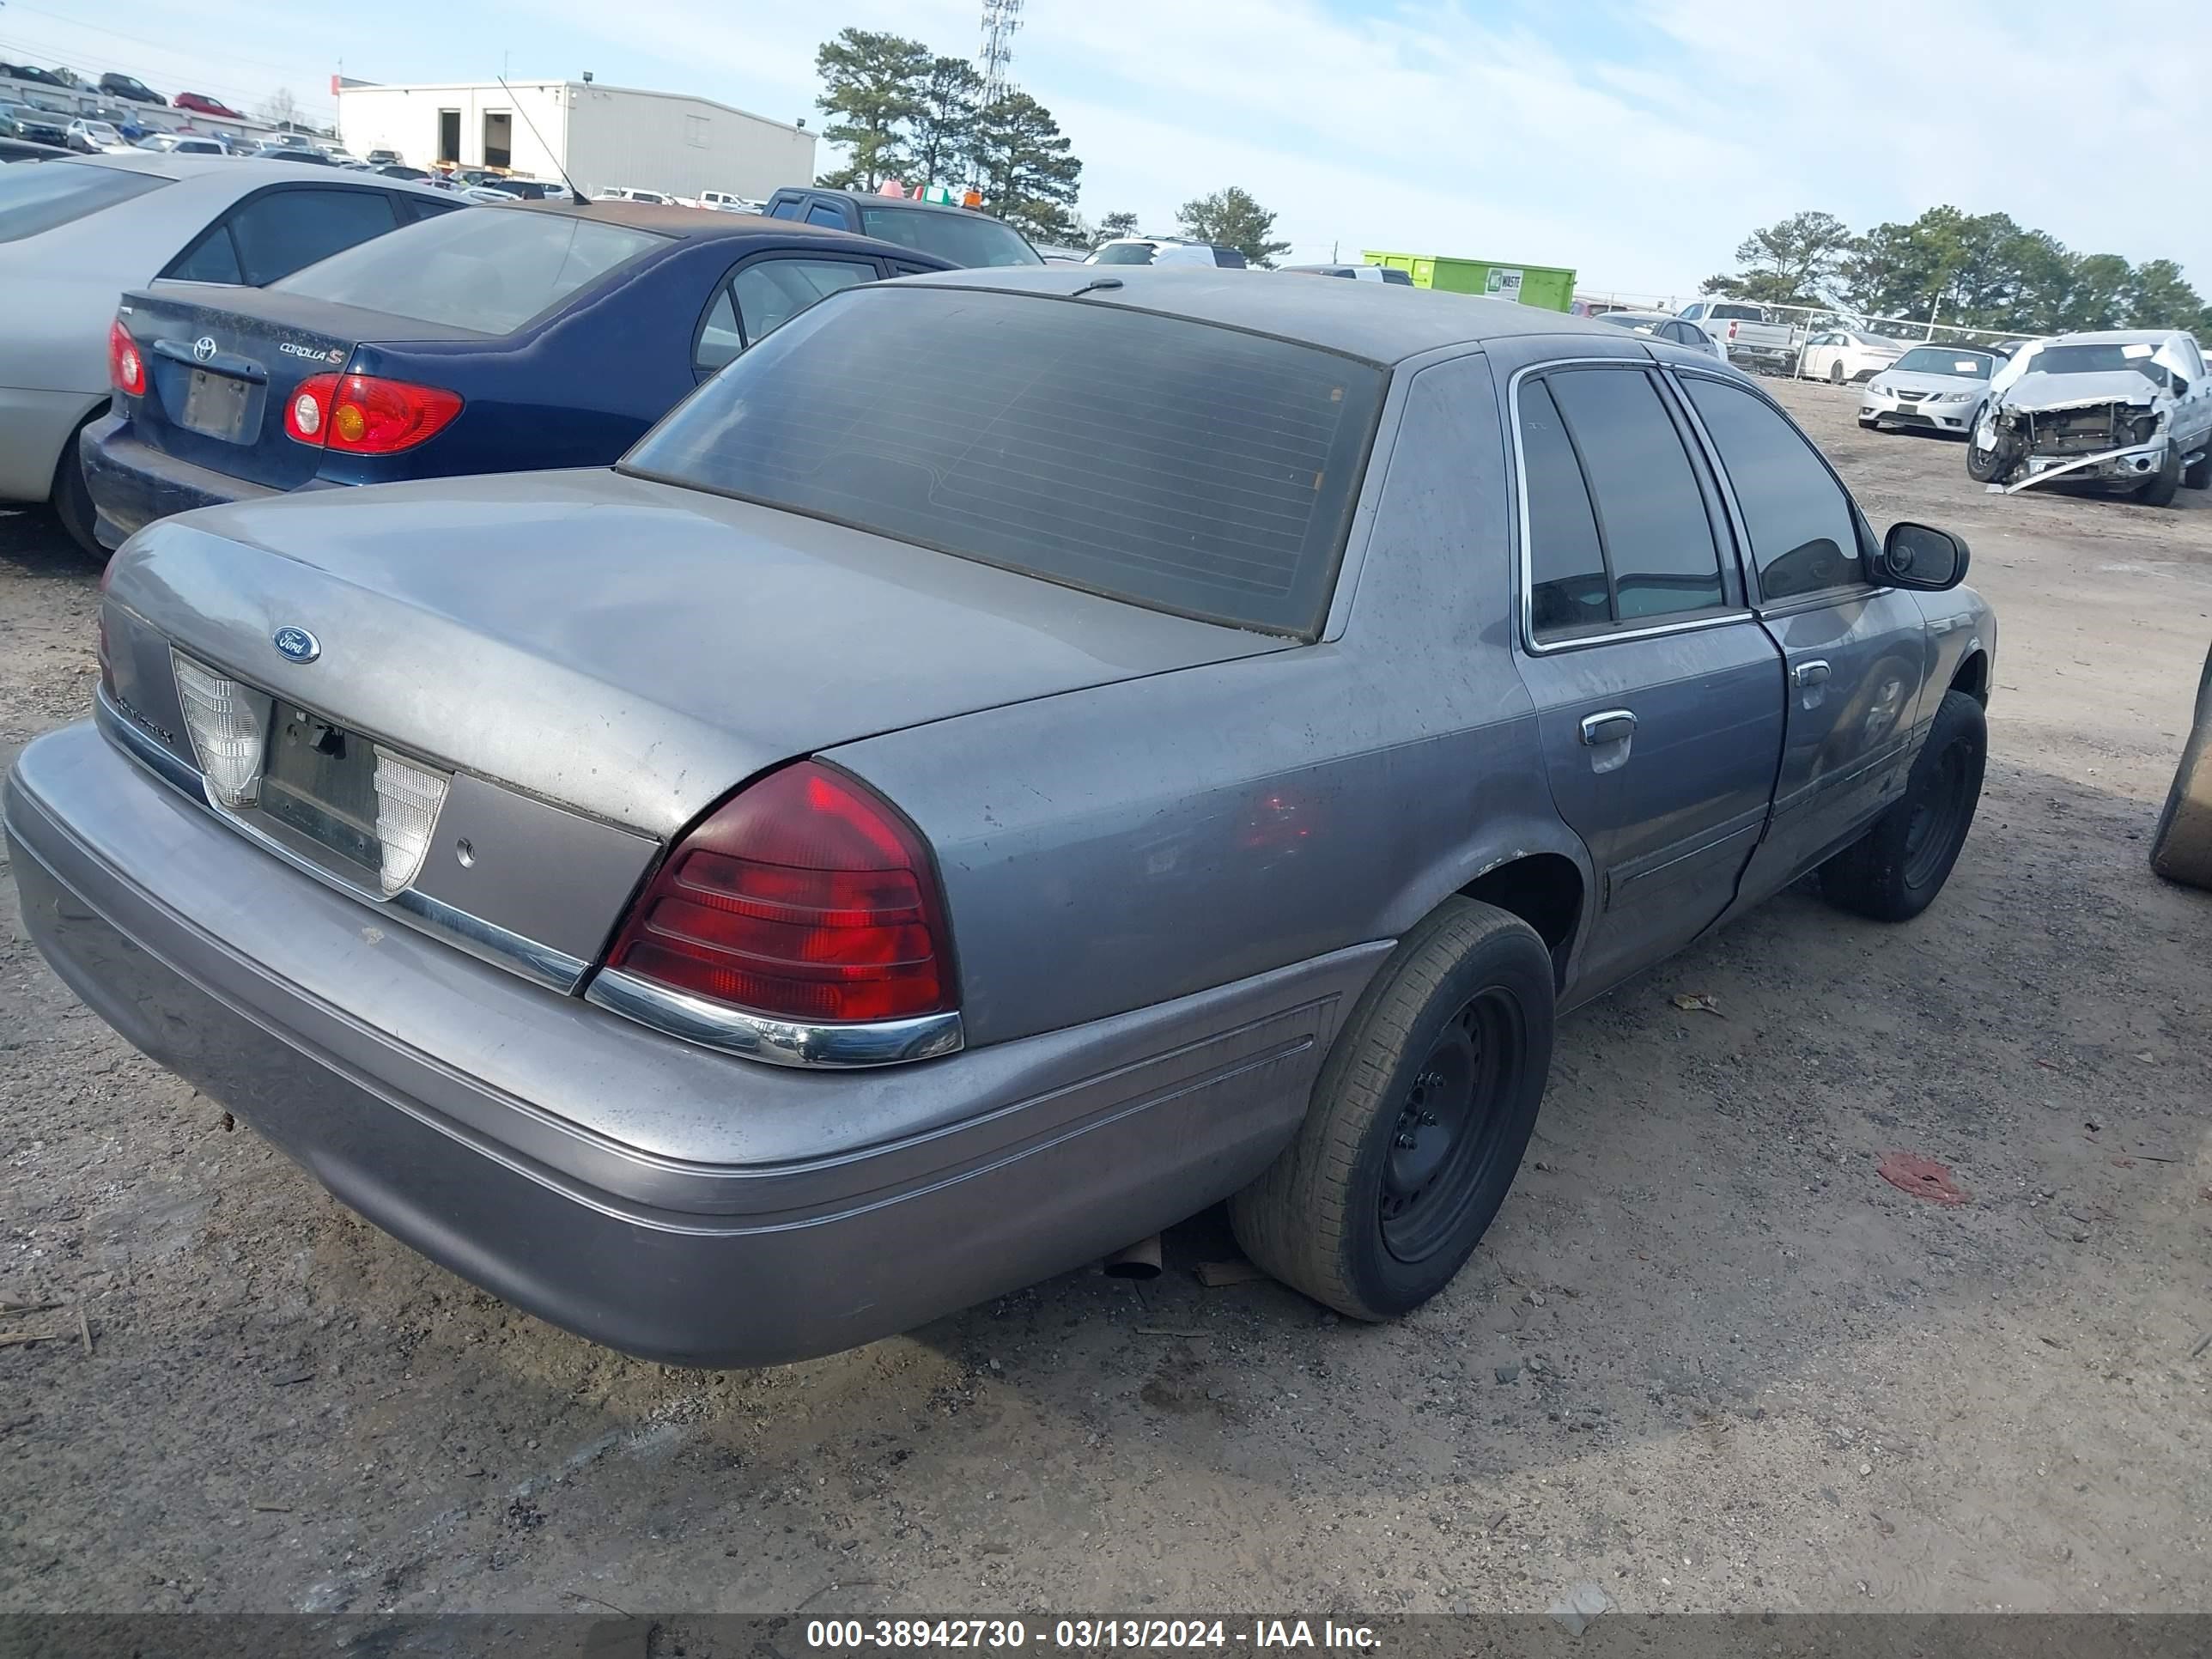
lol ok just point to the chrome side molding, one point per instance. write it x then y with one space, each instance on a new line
779 1041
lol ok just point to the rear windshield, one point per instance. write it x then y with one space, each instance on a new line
961 237
39 198
1738 314
1174 465
491 270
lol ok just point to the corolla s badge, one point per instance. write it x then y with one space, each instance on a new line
203 348
296 644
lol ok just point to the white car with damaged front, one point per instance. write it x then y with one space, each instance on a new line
2125 410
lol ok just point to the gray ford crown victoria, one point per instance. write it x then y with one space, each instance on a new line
1016 759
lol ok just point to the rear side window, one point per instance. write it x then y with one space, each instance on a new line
771 292
41 197
954 235
278 233
784 210
1179 466
1619 530
1230 257
414 209
486 269
1804 537
820 215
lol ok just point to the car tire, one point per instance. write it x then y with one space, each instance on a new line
2159 491
72 499
2198 474
2181 845
1894 872
1836 372
1417 1123
1988 465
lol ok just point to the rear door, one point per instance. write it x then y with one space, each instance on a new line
1659 695
1856 653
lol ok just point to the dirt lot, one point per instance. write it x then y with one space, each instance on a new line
1706 1359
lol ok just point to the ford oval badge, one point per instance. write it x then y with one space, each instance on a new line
296 644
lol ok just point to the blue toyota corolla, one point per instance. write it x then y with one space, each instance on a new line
501 340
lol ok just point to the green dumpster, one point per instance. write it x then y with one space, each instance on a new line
1548 286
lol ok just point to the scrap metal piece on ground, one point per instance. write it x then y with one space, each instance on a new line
2181 847
1922 1177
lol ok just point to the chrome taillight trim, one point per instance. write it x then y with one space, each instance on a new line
487 941
778 1041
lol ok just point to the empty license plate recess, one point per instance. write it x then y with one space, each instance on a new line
320 781
216 405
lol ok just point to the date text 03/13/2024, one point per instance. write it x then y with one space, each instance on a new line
1084 1635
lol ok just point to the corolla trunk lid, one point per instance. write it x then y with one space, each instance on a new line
626 649
223 364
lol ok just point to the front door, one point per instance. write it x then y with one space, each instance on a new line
1855 655
1658 694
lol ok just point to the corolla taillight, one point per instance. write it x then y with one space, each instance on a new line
367 414
126 369
408 797
807 897
225 724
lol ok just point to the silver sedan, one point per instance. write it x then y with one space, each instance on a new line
1931 388
75 234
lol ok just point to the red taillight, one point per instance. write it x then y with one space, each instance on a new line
807 897
125 368
366 414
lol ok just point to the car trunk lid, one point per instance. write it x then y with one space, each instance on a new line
625 649
223 364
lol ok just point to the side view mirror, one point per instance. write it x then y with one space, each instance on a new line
1922 558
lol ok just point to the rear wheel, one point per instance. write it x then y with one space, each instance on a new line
72 499
2160 491
1417 1122
1836 372
1894 872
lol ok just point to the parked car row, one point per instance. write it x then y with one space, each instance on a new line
116 85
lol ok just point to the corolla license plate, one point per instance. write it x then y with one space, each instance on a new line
216 405
321 780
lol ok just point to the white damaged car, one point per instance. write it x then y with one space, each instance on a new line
2127 410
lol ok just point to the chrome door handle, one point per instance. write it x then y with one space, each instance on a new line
1814 673
1613 726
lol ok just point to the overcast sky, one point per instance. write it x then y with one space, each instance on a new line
1636 141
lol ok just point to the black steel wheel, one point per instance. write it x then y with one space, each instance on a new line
1417 1120
1895 871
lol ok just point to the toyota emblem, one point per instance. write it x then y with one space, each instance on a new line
203 348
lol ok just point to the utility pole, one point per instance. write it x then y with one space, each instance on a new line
1001 18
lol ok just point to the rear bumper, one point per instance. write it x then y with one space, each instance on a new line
133 484
671 1202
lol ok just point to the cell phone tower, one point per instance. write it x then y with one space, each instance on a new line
1001 19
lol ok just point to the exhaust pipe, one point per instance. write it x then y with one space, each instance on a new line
1139 1260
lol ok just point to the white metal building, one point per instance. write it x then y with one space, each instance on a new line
602 137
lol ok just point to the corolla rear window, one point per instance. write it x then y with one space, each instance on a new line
39 197
1174 465
488 269
960 237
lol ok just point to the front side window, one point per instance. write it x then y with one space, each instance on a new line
1168 464
1632 501
1804 538
771 292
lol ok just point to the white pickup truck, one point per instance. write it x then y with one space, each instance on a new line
1745 332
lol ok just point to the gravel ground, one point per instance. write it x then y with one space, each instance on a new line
1706 1359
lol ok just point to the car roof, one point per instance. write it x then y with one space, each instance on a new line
1382 322
183 165
706 224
